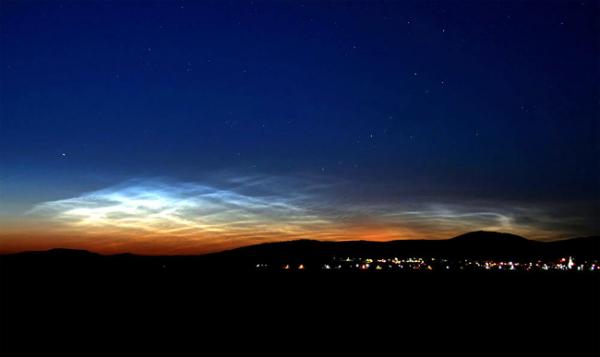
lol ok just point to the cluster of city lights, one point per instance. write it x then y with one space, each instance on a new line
438 264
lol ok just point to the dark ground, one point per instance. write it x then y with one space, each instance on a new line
111 309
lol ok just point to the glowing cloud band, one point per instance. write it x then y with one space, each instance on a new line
194 217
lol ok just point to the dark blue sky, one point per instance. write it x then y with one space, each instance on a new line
465 104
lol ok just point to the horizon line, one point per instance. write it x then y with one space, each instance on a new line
290 241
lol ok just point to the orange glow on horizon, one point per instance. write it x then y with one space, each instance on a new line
154 217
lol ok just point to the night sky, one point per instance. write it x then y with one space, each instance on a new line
186 127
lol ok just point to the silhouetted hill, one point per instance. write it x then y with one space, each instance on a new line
481 244
582 247
487 237
474 245
132 304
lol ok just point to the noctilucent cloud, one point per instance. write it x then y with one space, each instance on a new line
185 127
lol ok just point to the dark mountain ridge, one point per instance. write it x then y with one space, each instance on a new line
474 245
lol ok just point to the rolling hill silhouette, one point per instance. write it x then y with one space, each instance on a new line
489 237
473 245
207 304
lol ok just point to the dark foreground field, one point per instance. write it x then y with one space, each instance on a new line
120 310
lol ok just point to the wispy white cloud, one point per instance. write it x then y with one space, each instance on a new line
245 210
174 208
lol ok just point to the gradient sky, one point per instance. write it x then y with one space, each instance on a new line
185 127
